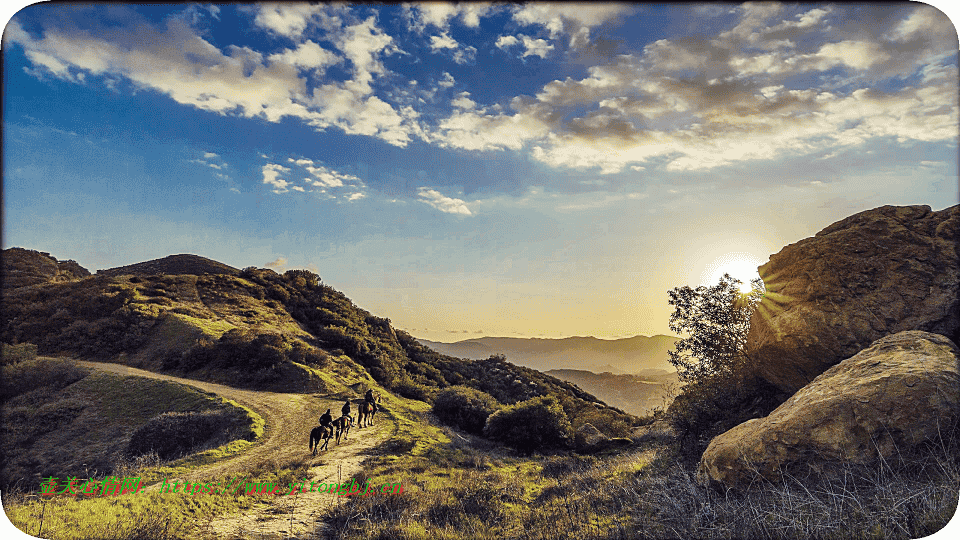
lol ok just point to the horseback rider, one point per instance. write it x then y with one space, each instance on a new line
326 420
345 410
368 398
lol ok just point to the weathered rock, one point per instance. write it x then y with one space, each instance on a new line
588 438
872 274
889 400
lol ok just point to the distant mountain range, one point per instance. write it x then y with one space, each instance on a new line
635 394
617 356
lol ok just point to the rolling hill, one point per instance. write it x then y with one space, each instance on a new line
258 329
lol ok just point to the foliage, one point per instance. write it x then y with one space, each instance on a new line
535 424
716 320
465 407
29 375
11 354
719 393
173 434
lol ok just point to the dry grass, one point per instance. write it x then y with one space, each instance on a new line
464 491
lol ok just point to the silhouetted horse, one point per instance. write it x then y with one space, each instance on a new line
343 425
320 432
367 410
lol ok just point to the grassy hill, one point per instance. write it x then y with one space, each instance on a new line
259 329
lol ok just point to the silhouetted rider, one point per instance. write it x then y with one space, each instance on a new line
369 399
326 420
345 410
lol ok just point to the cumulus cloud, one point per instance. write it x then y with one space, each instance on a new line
279 262
271 176
458 53
174 59
713 100
423 15
443 203
532 46
571 18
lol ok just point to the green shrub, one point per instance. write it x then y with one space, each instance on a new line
28 375
11 354
534 424
174 434
465 407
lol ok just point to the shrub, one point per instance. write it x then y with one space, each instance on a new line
535 424
465 407
174 434
12 354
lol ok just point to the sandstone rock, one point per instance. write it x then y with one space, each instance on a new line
872 274
588 438
888 400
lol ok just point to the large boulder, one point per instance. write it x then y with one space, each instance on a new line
891 400
872 274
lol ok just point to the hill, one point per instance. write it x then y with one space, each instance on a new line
262 330
638 395
629 355
24 267
173 265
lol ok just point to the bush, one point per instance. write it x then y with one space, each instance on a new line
534 424
464 407
12 354
174 434
29 375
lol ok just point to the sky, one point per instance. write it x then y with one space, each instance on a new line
526 170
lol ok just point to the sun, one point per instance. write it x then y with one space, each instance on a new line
740 265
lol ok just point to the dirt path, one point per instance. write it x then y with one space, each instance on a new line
288 419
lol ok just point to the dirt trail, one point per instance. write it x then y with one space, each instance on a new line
288 419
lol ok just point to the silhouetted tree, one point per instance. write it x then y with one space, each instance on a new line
716 320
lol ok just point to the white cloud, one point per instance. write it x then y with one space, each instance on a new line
271 176
505 42
447 81
209 155
535 47
279 262
307 55
439 14
443 203
572 18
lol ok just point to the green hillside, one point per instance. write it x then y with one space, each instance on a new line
258 329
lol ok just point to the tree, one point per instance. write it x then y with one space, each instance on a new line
719 392
716 320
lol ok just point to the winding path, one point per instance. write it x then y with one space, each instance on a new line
288 419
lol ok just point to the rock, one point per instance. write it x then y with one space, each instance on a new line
872 274
863 408
588 438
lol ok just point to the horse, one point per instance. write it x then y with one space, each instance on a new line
367 410
343 425
320 432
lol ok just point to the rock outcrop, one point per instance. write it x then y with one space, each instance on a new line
24 267
890 400
872 274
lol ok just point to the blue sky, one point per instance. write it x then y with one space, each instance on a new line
540 170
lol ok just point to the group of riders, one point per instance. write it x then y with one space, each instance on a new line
326 420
